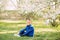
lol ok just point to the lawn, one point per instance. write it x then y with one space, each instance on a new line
42 35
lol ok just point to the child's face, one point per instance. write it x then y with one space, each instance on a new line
28 22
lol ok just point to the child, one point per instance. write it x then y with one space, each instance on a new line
28 31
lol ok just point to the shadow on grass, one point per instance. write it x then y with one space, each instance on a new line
48 36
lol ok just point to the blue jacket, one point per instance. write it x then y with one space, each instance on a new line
29 30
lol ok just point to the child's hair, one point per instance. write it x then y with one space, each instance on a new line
27 18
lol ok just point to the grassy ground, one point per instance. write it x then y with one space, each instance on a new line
39 35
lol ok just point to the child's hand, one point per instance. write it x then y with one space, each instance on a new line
24 31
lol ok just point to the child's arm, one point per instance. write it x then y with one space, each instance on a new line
31 29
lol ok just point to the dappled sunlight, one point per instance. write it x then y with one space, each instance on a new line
5 32
45 30
37 30
42 15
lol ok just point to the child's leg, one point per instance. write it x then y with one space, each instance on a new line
21 32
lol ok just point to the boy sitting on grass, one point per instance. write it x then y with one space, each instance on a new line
28 31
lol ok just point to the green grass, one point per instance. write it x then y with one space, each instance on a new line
37 36
10 26
14 26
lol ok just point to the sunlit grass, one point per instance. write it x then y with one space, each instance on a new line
37 36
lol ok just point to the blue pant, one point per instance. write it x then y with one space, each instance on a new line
21 33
